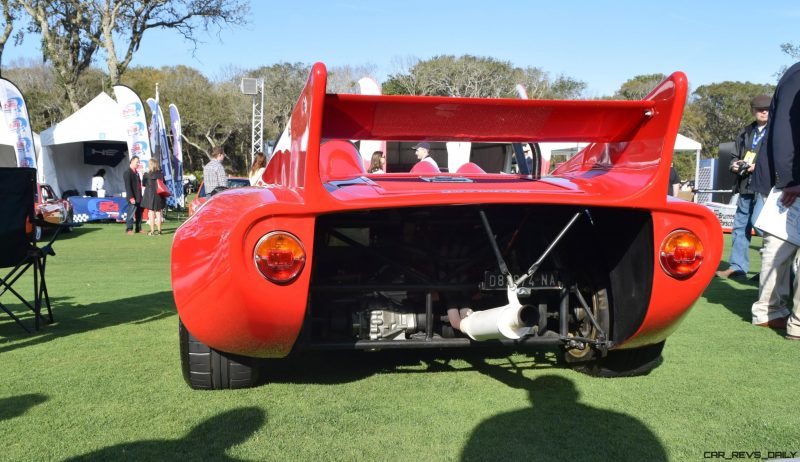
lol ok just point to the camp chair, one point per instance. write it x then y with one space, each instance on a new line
18 250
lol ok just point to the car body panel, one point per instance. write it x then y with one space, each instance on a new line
51 207
226 303
202 197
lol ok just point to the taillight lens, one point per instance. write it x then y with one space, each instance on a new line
280 257
681 254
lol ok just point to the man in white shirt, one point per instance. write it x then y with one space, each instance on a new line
423 153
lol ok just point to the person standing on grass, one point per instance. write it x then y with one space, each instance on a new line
152 201
133 191
750 144
214 176
780 169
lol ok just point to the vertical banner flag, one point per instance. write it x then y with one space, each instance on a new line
158 140
135 125
17 123
177 152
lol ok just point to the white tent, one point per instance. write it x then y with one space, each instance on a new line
62 160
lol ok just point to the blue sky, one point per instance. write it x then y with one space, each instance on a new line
603 43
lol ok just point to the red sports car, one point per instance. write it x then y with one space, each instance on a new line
593 258
51 208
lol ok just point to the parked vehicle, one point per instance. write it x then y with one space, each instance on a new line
189 184
594 258
52 208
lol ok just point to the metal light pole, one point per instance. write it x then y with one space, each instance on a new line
255 87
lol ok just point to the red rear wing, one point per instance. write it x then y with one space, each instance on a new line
627 136
434 118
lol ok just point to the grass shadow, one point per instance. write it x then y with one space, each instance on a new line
64 235
735 295
557 426
75 319
336 367
207 441
15 406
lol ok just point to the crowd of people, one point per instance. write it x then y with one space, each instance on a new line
767 160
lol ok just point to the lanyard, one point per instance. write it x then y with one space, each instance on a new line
757 137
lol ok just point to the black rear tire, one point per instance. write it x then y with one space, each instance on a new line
625 363
205 368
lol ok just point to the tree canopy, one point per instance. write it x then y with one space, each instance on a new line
478 77
73 31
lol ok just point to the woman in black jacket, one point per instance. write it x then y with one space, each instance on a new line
151 200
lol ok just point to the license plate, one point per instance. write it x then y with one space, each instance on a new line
541 279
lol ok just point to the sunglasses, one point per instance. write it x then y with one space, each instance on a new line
760 109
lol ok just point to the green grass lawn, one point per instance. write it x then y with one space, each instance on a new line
104 383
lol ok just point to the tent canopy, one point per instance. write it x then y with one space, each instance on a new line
62 161
683 143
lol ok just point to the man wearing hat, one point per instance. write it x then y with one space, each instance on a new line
750 144
423 153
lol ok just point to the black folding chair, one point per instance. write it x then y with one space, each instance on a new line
18 249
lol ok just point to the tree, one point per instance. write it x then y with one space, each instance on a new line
69 39
540 85
10 13
130 19
283 83
344 79
639 86
212 114
447 75
717 112
73 31
477 77
793 51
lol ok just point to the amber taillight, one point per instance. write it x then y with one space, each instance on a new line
280 257
681 254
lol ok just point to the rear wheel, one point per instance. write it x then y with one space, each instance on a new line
205 368
625 363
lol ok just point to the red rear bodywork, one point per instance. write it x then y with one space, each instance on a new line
225 302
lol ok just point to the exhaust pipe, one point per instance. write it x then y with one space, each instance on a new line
511 321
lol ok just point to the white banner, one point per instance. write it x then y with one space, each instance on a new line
177 152
135 125
17 122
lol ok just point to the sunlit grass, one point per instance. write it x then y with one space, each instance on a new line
104 383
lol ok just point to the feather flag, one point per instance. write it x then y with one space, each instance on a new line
158 139
135 122
18 123
177 153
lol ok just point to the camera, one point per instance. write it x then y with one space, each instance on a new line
743 168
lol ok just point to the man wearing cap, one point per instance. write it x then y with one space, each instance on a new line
750 144
423 153
780 169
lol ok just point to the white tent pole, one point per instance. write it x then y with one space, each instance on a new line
696 172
